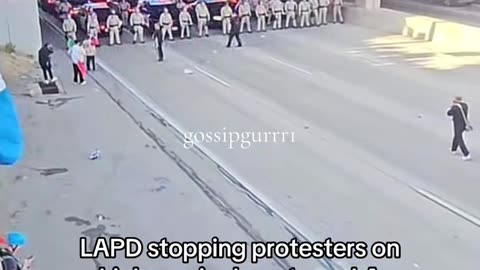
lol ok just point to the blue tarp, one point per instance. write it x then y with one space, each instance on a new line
11 138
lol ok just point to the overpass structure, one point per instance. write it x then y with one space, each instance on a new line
19 23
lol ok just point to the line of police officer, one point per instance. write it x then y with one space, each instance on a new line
309 11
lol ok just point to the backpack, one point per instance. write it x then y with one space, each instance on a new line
8 261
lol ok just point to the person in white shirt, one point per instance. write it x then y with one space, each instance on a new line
77 55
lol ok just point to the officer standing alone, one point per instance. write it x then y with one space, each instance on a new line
203 17
290 8
261 13
323 11
304 12
136 22
166 21
113 26
245 12
459 113
226 14
185 22
337 11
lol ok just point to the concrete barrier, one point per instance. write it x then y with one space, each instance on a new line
456 37
420 27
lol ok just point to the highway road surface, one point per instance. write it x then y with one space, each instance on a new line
370 160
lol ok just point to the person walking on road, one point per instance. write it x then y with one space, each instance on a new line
44 59
235 32
90 52
158 40
77 55
459 113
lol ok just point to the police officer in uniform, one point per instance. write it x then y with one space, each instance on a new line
92 24
337 11
124 7
268 6
314 6
278 11
166 21
323 11
203 17
261 12
226 14
63 9
113 26
290 8
245 12
185 22
304 12
136 22
69 28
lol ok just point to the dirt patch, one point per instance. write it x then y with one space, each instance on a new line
18 70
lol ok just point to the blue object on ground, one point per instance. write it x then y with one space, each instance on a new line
11 138
16 239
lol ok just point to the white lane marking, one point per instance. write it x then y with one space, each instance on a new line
457 211
290 66
211 76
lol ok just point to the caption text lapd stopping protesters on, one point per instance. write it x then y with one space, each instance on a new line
237 252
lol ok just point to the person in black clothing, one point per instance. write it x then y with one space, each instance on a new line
235 32
459 113
44 59
158 39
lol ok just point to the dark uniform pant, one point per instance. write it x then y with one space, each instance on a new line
237 37
160 52
77 74
458 141
47 72
91 62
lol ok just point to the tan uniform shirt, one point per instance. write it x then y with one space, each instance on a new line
136 19
226 12
113 21
202 11
185 18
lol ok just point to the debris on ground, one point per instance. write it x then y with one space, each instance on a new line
51 171
95 154
188 71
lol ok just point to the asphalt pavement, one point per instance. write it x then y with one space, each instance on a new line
371 159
